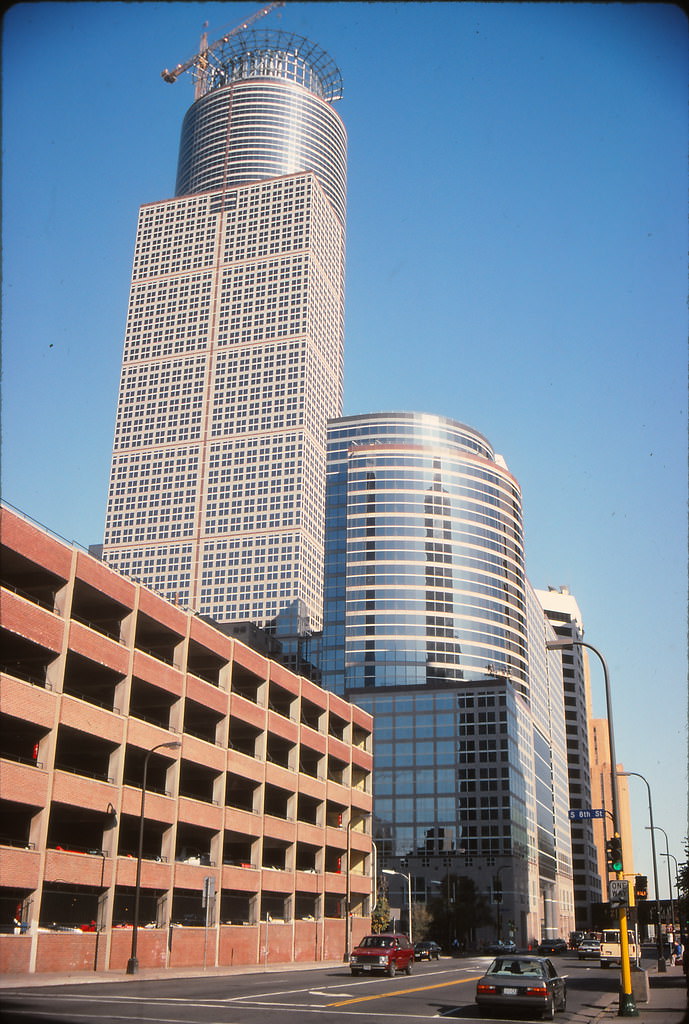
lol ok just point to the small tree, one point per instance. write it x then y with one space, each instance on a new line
380 918
422 921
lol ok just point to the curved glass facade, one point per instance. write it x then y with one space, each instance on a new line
262 128
431 626
424 571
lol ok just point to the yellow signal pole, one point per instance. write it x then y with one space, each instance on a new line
627 1006
625 966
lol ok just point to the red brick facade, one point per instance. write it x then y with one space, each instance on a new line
265 797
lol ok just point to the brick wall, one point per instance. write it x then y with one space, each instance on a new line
238 945
151 947
66 951
15 953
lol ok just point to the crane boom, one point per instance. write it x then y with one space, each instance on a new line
200 60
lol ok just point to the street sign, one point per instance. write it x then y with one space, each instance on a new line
208 890
618 892
583 814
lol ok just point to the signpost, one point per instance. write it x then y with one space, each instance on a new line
584 813
207 902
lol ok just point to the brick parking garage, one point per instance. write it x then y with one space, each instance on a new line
261 794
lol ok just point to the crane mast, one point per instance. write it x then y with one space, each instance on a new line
200 60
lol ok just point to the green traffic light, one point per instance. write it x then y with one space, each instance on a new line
613 849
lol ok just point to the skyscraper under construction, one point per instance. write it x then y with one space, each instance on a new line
233 351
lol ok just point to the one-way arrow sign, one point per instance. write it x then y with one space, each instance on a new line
618 892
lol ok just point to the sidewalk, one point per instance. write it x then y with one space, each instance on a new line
667 1000
154 974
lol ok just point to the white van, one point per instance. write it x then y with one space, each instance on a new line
610 951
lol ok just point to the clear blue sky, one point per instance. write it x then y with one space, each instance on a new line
516 260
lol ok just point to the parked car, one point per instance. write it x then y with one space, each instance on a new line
427 951
388 952
588 949
551 947
522 983
497 948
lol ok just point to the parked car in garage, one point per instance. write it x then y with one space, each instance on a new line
389 952
520 984
427 950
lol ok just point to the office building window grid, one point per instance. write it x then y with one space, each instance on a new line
232 367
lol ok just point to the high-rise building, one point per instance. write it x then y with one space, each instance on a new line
565 617
601 786
233 351
431 625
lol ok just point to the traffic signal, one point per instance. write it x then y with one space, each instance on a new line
641 887
613 853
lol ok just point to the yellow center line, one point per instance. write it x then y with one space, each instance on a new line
405 991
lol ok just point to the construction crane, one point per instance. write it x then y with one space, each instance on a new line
200 60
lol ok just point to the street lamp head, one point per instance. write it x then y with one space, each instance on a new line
558 645
172 745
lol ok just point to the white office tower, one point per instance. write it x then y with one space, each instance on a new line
233 351
562 611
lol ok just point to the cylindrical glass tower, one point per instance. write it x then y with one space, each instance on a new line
424 572
267 113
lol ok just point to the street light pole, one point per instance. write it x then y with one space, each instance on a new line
669 876
389 871
498 899
662 966
627 1006
676 878
348 892
133 963
374 880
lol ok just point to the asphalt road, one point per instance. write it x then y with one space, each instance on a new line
443 988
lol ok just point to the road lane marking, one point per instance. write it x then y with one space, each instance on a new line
185 1020
317 992
406 991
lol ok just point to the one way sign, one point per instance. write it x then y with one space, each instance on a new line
618 892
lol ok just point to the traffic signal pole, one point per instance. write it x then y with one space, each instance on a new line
627 1006
662 966
625 967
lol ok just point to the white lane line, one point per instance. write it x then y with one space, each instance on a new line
288 1007
329 994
